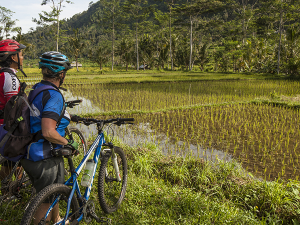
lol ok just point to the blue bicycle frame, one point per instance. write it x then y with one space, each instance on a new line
72 181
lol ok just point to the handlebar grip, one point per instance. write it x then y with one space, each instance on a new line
76 101
128 119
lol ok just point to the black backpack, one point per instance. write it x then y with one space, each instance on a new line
15 133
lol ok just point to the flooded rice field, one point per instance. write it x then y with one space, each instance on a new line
263 138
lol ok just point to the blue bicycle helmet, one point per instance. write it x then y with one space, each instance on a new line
54 61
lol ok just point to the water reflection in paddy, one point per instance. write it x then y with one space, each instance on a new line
139 134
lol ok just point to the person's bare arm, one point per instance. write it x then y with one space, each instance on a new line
49 132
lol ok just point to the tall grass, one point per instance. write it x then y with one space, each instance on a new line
175 190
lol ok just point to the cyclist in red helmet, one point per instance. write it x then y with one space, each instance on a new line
11 60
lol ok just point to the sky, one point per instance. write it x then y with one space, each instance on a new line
25 10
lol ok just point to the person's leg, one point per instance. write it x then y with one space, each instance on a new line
60 171
53 215
44 173
40 213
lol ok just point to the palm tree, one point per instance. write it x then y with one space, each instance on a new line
76 45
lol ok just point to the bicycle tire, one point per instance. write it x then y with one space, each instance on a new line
49 194
79 138
110 191
82 148
15 192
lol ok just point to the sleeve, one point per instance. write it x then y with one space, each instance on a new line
2 99
11 86
54 106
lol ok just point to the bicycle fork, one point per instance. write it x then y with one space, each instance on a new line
115 164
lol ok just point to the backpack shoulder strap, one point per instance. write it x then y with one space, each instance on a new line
38 90
10 71
7 70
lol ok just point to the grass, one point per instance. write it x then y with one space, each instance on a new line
175 190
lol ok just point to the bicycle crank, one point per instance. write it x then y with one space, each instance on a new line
89 214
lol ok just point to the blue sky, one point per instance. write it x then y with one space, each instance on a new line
25 10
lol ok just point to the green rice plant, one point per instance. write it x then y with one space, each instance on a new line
248 134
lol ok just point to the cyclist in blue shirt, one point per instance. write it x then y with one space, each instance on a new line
49 120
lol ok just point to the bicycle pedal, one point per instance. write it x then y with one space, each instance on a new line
100 220
94 216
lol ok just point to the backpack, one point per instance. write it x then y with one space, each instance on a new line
15 133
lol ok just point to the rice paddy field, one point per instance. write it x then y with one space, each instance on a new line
251 119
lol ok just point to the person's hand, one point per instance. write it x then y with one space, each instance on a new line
72 144
75 118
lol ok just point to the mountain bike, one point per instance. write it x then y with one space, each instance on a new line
74 206
15 186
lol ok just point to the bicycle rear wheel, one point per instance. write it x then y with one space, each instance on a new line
15 191
111 192
35 213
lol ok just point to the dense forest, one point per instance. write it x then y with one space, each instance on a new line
210 35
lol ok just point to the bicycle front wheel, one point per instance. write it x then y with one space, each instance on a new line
37 209
111 192
76 135
15 191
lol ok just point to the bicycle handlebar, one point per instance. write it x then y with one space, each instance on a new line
117 121
73 103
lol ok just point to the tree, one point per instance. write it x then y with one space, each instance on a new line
203 55
170 4
181 58
138 11
282 14
147 48
189 12
111 17
76 45
52 16
125 51
6 21
99 56
245 12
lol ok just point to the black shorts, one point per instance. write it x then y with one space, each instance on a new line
45 172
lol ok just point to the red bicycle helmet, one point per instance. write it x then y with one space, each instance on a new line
9 47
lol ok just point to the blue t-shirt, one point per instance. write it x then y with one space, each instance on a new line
47 104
